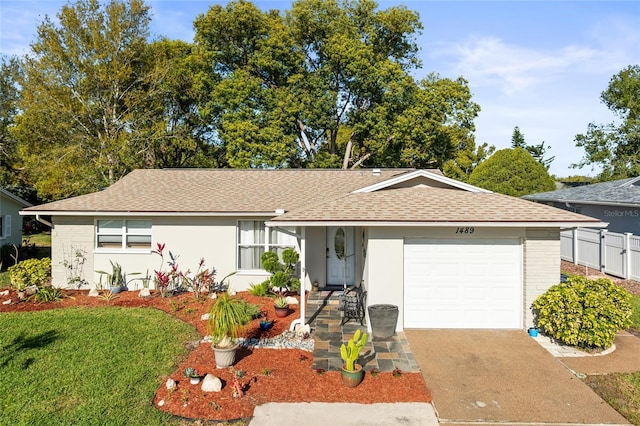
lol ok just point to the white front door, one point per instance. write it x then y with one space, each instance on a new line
341 259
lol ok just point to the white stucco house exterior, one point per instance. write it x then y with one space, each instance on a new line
449 254
10 220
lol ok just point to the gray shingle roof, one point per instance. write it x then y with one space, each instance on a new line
624 191
308 196
429 204
219 190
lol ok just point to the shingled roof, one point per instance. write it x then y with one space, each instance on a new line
424 204
624 192
220 191
312 196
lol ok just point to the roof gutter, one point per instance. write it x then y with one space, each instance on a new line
562 224
145 214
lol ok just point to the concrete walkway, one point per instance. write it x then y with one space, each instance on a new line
335 414
490 376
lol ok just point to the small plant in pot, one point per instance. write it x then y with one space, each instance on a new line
352 373
192 375
281 307
227 319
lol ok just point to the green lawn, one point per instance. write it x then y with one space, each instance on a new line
621 391
635 316
99 366
40 240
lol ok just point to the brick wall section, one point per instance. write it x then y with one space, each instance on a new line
70 234
541 266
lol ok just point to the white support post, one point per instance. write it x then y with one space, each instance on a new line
303 282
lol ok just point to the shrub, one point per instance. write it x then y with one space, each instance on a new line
30 272
584 312
261 290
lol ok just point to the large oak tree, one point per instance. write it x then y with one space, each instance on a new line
615 147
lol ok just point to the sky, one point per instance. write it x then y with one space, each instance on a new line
538 65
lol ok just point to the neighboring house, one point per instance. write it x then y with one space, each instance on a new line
10 220
616 202
449 254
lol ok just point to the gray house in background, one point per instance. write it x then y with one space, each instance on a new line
616 202
10 220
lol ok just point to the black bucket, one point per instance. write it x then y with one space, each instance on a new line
383 320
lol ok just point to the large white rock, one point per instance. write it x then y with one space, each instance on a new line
144 292
4 293
291 300
94 292
211 383
171 384
205 317
303 330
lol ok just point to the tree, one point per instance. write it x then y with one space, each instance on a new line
9 97
537 151
98 100
512 172
327 84
468 157
615 148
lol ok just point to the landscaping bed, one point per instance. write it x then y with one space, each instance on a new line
270 375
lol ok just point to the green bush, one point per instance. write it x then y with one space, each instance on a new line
583 312
30 272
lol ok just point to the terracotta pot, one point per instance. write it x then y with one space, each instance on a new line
282 312
225 357
352 378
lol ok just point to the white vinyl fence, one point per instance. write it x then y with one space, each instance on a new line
612 253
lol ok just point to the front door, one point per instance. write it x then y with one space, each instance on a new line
341 259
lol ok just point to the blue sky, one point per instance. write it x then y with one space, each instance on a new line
539 65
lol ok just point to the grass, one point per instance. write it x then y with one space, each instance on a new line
40 240
99 366
635 316
621 391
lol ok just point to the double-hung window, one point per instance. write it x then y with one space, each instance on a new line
117 234
254 239
5 226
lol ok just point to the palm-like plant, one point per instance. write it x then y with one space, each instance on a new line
227 319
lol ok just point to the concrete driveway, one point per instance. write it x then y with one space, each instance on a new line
494 376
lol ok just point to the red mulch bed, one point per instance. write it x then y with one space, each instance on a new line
271 375
631 285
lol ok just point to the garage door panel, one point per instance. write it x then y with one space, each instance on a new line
463 283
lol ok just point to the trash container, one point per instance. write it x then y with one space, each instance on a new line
383 320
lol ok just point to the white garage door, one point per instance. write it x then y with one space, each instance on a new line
456 283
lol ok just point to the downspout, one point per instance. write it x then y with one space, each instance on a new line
41 220
303 285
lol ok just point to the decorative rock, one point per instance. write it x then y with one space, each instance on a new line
214 295
161 403
211 383
94 292
291 300
144 292
205 317
4 293
7 302
286 340
303 330
171 384
231 292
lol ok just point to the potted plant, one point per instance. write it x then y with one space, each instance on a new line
192 375
281 307
117 279
227 318
352 373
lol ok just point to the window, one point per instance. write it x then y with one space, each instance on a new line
5 226
254 238
123 234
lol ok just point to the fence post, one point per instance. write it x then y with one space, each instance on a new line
574 241
603 249
627 255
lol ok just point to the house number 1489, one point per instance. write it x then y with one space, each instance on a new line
465 230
